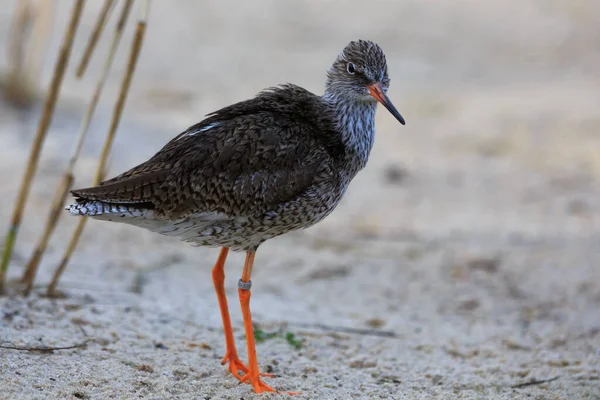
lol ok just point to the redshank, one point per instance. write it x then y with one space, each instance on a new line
252 171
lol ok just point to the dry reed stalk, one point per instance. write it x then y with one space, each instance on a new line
93 40
116 118
15 84
18 32
38 41
30 33
50 103
55 211
67 181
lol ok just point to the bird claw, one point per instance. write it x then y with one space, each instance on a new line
258 385
235 366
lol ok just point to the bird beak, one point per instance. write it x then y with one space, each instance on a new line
377 91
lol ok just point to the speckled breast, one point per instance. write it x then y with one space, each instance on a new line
248 232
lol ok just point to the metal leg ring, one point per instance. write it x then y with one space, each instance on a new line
244 285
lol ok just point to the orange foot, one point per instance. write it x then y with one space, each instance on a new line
258 385
236 365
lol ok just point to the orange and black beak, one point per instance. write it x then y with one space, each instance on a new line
377 91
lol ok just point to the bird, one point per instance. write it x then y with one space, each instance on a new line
251 171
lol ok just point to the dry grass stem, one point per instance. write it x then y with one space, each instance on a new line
18 32
93 40
37 46
30 34
15 84
67 181
55 211
48 111
116 118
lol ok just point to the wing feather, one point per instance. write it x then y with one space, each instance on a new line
245 162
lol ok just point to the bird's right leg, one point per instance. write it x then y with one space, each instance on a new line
218 273
244 284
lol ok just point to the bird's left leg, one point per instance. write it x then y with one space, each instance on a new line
244 284
253 375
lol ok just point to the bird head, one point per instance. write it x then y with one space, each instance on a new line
360 74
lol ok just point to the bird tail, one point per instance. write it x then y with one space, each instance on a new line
95 208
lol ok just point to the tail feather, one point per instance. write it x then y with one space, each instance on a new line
94 208
125 189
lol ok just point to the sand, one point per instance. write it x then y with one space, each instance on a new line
462 263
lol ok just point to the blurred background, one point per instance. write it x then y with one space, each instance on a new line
471 237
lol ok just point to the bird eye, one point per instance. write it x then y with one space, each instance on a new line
351 68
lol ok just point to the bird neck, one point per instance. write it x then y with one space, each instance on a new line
356 123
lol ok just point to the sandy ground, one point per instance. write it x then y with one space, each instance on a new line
462 264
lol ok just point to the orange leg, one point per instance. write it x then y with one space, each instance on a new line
218 273
253 375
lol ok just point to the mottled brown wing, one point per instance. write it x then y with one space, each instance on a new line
247 164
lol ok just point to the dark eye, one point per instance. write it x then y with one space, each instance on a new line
351 68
